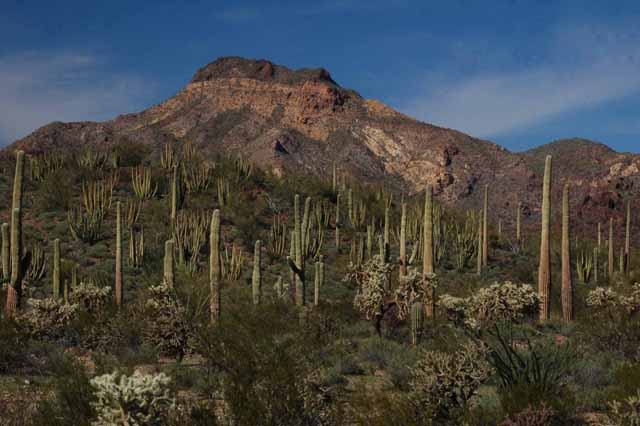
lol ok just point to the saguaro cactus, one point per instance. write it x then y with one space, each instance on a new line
19 263
119 283
297 263
56 268
567 287
6 265
627 242
168 270
544 269
427 259
417 322
403 241
611 255
485 227
256 279
215 272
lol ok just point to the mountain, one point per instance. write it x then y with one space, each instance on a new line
302 120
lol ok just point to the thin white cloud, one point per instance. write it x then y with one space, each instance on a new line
584 68
37 88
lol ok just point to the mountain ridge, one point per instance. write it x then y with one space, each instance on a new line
303 121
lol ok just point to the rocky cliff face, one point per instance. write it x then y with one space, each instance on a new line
303 120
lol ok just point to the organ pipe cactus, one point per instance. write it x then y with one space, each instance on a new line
567 285
141 182
544 268
277 244
585 264
231 265
256 279
215 273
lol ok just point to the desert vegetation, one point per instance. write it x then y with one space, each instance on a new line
144 287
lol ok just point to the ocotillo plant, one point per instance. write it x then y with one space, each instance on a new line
567 287
479 253
316 285
596 253
256 279
56 268
417 322
19 263
387 225
544 269
215 272
610 260
485 227
119 283
168 267
338 222
427 259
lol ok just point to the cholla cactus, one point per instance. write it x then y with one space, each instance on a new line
372 279
414 287
169 331
47 317
498 302
625 412
136 400
90 297
603 299
444 383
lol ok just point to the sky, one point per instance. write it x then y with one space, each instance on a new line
519 73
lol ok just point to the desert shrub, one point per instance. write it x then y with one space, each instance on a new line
528 373
139 399
531 416
498 302
167 329
444 383
274 380
72 396
390 356
55 192
626 380
13 348
48 317
373 407
130 153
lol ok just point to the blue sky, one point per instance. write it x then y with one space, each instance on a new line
520 73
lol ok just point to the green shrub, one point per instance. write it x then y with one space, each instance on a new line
167 329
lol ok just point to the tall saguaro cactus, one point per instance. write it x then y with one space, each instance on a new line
6 245
215 269
119 283
610 260
485 227
168 267
56 268
297 263
427 259
567 287
403 240
544 269
256 278
19 263
627 241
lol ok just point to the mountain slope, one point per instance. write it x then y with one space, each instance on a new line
303 120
